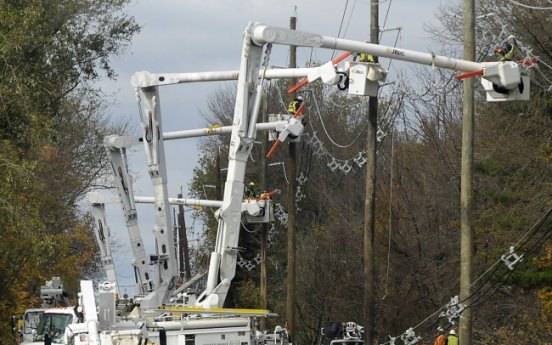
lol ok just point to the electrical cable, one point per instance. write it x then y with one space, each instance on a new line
546 235
349 21
500 280
250 231
326 131
341 25
385 20
530 7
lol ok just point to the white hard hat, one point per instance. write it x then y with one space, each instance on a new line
300 98
439 329
511 37
452 331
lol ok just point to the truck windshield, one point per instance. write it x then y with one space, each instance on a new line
54 325
32 318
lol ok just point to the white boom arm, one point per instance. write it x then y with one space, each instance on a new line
123 182
97 198
103 237
104 199
166 264
120 142
507 75
263 34
88 303
246 110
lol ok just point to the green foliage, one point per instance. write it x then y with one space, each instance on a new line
52 124
248 293
487 167
502 197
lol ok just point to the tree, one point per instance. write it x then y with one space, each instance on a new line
53 123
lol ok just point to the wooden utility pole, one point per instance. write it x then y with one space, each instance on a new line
466 193
291 207
183 244
370 203
266 226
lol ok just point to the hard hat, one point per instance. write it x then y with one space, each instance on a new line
299 98
511 37
251 183
452 331
439 329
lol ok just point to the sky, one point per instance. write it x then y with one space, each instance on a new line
184 36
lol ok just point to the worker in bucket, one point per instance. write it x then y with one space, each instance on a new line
508 51
250 191
366 58
295 105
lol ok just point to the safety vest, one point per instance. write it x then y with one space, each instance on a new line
510 54
440 340
366 58
452 340
293 106
249 192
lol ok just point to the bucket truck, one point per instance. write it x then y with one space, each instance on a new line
202 322
53 295
362 79
90 323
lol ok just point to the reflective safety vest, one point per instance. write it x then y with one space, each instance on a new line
440 340
366 58
452 340
510 53
293 106
250 193
507 52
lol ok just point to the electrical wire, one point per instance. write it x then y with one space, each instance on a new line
530 7
326 131
341 25
484 289
349 21
250 231
385 20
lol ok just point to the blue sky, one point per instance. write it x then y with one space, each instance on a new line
200 36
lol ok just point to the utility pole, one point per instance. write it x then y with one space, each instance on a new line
291 206
183 243
264 229
466 192
370 203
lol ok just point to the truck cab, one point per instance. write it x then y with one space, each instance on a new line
53 323
25 325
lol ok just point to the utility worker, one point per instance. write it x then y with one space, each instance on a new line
366 58
440 337
294 105
250 191
263 194
508 51
452 339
